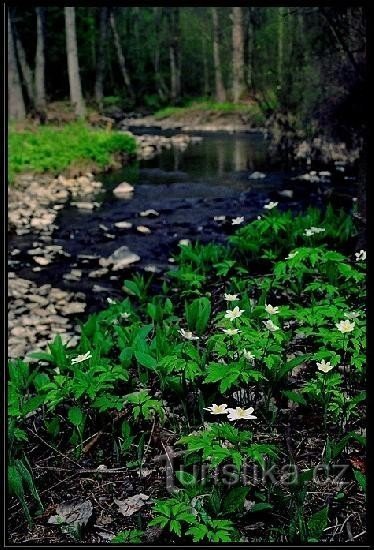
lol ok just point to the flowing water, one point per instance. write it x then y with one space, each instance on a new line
188 189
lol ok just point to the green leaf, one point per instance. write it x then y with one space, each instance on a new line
43 356
75 416
318 523
361 479
234 500
198 532
261 507
185 478
297 397
146 360
175 527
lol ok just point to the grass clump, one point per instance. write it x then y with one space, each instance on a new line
55 148
250 110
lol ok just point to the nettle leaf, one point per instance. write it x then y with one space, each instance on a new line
234 500
318 523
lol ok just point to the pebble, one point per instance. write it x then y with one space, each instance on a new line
123 225
143 229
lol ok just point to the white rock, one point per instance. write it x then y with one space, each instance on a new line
84 205
149 212
123 225
143 229
123 189
256 176
41 260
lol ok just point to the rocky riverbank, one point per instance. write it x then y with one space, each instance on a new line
220 123
34 201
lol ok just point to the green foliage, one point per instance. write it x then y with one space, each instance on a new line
133 536
45 149
136 372
250 110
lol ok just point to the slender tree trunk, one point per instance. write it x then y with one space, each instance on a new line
40 100
205 68
220 89
26 72
250 45
238 84
121 57
73 66
100 65
174 56
280 45
16 105
159 83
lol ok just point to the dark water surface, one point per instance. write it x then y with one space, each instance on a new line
188 189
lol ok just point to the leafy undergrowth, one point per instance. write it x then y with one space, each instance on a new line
195 107
228 405
44 149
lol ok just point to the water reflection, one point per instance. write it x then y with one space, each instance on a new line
214 159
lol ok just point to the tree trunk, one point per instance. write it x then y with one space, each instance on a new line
100 65
121 57
16 105
280 45
174 56
205 68
238 84
26 72
220 90
40 101
250 45
73 66
159 83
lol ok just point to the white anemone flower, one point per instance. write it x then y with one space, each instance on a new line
270 205
241 414
238 220
80 358
324 366
313 230
110 301
360 256
248 355
345 326
292 255
270 325
125 315
352 315
272 310
234 313
187 334
217 409
231 297
231 331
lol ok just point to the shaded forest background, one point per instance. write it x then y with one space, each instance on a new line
306 61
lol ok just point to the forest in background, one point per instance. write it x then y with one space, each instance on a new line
306 61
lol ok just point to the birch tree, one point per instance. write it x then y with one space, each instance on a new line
73 66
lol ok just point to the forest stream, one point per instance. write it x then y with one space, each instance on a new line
177 195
